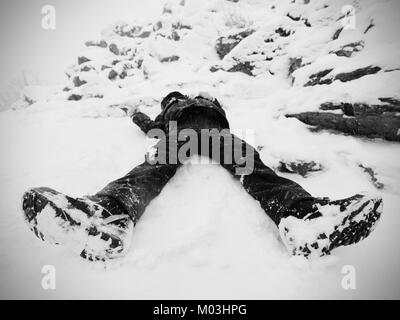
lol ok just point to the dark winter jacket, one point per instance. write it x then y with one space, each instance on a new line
188 112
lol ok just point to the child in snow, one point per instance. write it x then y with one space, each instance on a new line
99 226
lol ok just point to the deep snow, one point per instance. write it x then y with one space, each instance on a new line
203 237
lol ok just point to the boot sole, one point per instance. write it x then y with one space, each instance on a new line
35 200
356 228
353 228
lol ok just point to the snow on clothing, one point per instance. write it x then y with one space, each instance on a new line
177 107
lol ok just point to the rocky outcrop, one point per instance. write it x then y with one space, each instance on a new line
245 67
112 74
374 121
302 43
101 43
299 18
83 59
356 74
86 68
114 48
74 97
303 168
323 77
169 59
132 31
337 33
349 49
225 44
283 32
78 82
255 57
294 64
372 176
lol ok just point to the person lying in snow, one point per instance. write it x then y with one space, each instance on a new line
99 227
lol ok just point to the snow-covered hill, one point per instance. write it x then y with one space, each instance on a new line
268 62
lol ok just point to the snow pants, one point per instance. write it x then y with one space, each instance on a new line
278 197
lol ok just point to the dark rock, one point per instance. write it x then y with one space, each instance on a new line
127 31
28 100
294 64
349 49
372 176
180 26
371 25
391 101
215 68
317 78
123 75
157 26
169 59
78 82
245 67
75 97
298 18
391 70
104 67
337 33
356 74
282 32
327 121
225 45
86 68
293 17
358 119
112 74
83 59
144 34
301 167
114 49
101 44
347 108
124 109
174 36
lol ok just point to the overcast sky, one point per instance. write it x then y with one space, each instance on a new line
25 45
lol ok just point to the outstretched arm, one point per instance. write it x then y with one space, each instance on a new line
144 122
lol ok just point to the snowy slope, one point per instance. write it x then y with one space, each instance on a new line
189 243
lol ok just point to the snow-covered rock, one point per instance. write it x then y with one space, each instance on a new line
329 46
377 120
